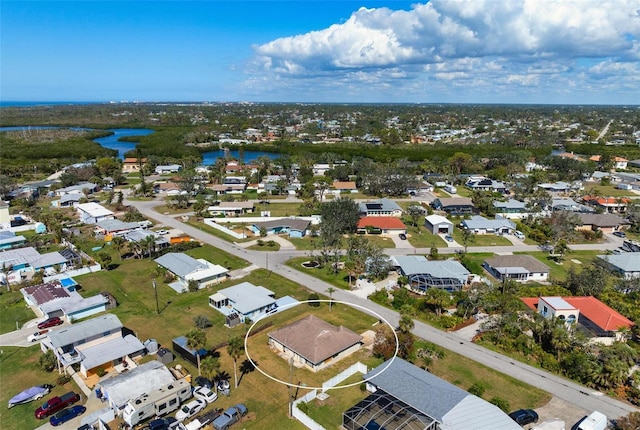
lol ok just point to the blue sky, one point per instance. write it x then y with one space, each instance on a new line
475 51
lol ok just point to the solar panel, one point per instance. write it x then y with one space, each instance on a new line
374 206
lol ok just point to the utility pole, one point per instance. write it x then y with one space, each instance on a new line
155 290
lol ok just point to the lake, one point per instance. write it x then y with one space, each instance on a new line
112 142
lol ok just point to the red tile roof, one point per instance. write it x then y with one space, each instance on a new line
383 222
593 309
606 200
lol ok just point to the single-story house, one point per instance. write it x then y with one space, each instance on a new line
608 204
627 264
406 396
314 343
383 224
566 204
513 209
484 184
85 187
381 207
169 168
520 268
243 301
187 268
344 187
60 299
170 188
294 227
92 213
594 316
557 187
481 225
607 223
232 208
9 239
68 200
437 224
228 188
114 227
454 205
423 274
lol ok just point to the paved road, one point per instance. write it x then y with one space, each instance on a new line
580 396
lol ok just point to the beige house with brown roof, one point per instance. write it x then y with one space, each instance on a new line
314 343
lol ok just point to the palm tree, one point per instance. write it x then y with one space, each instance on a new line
148 243
331 290
196 339
118 243
235 349
210 367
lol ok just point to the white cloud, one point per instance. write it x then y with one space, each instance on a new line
512 42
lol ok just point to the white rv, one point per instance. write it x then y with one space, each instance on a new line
157 403
450 188
595 421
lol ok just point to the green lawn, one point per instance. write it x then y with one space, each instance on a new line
420 237
277 208
267 245
12 309
217 256
339 279
481 239
610 191
306 243
380 241
558 272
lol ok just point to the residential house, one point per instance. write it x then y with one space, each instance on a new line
454 205
232 208
60 299
481 225
606 223
132 165
559 187
626 264
169 188
558 308
383 224
293 227
320 169
437 224
314 343
9 239
245 301
485 184
520 268
230 188
82 188
596 318
68 200
169 168
25 262
512 209
424 274
619 163
566 204
608 204
92 213
109 228
346 187
381 207
187 269
406 396
94 344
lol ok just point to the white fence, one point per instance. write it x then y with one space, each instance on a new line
311 395
212 223
70 273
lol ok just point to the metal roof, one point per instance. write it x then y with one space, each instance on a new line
247 297
81 331
145 378
414 264
179 263
626 262
478 222
106 352
438 219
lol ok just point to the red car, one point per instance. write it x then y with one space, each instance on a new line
51 322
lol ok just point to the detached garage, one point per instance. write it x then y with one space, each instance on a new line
437 224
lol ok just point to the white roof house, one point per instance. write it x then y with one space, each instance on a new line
245 299
481 225
423 400
187 268
92 213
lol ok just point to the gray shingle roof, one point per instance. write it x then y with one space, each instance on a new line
247 297
83 330
528 262
417 264
478 222
628 262
297 224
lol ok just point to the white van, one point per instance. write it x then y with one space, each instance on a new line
519 234
595 421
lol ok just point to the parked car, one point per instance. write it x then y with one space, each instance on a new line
160 424
162 232
402 236
50 322
204 393
448 238
229 417
524 416
67 414
620 233
201 381
33 337
519 234
190 409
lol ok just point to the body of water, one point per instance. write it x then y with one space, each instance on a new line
210 157
112 142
